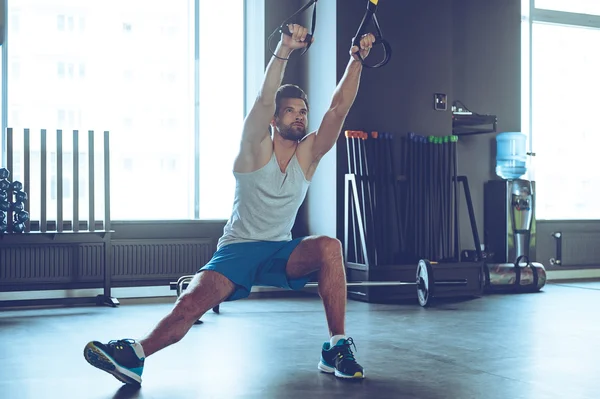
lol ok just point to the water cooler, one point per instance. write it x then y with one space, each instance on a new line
509 219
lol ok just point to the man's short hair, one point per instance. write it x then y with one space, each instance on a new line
289 91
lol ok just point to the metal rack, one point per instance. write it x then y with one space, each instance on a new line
59 254
392 220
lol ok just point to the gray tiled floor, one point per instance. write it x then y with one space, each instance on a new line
541 345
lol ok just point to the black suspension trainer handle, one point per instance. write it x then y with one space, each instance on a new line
283 28
362 30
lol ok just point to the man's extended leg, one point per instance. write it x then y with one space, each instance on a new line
324 255
125 358
206 290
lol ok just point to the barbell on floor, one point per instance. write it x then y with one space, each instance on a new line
425 283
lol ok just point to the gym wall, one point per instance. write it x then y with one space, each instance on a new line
468 49
486 71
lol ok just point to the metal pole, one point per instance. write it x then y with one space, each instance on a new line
75 180
197 109
59 181
3 149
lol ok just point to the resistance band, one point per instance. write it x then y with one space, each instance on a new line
283 28
362 30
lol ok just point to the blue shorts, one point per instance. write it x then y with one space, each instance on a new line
256 263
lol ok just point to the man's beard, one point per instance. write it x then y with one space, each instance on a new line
291 132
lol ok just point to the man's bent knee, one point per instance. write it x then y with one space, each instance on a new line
328 246
206 290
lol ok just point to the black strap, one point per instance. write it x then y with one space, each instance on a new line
283 28
362 30
535 276
534 270
518 268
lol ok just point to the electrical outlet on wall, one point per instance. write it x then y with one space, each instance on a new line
440 102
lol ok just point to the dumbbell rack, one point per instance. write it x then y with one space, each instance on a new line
372 178
365 270
59 255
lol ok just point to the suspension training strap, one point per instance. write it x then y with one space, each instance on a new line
362 30
283 28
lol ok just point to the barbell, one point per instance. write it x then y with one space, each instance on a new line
425 283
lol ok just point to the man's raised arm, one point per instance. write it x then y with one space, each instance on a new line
256 124
343 98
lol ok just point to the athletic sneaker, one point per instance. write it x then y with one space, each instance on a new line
340 360
124 359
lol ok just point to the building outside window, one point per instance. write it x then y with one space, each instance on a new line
559 87
130 68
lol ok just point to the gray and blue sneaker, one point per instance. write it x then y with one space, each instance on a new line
124 359
340 360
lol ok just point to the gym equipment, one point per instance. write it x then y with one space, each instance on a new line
12 213
416 204
396 214
283 28
16 186
370 15
21 196
18 227
514 277
64 235
21 216
426 284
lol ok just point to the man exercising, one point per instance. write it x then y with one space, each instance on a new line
273 171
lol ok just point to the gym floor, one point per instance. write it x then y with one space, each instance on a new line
542 345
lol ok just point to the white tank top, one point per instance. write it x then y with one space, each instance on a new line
266 203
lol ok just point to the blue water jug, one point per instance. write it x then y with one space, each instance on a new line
511 155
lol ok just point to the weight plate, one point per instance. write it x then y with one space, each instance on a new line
423 286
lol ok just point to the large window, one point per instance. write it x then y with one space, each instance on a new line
164 78
560 89
574 6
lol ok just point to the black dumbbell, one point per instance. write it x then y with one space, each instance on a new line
2 216
3 226
17 206
18 227
4 185
4 205
16 186
21 196
21 216
4 173
3 195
